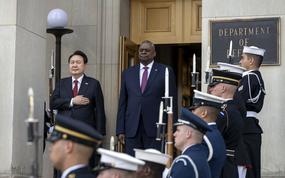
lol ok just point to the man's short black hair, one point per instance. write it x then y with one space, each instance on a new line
79 53
258 59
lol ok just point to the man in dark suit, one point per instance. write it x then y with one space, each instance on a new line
142 89
72 145
80 96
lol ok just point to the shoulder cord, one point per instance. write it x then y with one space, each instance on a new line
210 147
256 98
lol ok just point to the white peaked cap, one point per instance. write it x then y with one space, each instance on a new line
230 67
208 97
119 160
152 155
253 50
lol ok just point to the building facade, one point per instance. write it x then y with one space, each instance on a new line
26 50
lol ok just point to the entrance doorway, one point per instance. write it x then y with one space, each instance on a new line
180 58
177 56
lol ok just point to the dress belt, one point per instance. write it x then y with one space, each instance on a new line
251 114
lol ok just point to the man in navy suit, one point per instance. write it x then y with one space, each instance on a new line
142 89
80 96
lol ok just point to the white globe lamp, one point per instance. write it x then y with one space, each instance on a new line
57 18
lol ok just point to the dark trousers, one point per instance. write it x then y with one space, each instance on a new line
230 168
141 141
253 145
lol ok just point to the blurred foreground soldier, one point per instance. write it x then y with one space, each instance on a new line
252 91
224 84
192 163
207 107
117 165
155 162
73 143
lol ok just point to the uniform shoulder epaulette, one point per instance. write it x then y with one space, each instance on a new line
187 161
184 159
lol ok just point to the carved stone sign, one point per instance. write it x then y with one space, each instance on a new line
261 32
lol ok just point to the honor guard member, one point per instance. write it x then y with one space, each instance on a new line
252 91
237 98
155 163
192 163
207 107
224 83
73 143
117 165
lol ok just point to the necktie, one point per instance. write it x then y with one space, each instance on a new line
75 88
144 79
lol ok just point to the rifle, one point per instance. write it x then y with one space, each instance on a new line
33 134
168 105
50 82
49 120
169 139
160 130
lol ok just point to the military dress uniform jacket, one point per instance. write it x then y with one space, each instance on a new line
252 92
93 113
191 164
230 123
83 172
216 150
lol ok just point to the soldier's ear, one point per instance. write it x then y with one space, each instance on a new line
204 113
69 146
147 171
189 133
251 60
144 171
223 88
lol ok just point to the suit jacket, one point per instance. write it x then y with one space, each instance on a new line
191 164
93 113
133 104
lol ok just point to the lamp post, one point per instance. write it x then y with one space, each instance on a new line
57 21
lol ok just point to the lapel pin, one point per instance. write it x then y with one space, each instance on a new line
155 70
86 83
